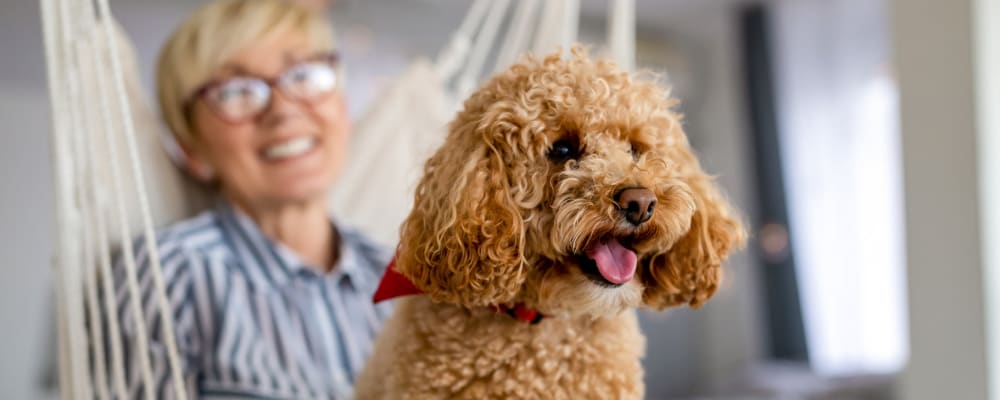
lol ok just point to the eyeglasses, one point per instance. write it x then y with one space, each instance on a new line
241 98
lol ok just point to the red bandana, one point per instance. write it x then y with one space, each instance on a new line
395 284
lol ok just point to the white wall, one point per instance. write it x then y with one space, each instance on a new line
838 125
25 241
934 59
26 223
987 39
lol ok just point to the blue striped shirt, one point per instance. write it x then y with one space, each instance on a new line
251 318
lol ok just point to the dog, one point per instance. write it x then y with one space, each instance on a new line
565 196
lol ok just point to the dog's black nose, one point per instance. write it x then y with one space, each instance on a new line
637 204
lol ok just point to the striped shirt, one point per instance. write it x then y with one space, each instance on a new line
251 319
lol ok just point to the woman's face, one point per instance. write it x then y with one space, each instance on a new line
288 153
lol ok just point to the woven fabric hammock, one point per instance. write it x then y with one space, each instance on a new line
112 183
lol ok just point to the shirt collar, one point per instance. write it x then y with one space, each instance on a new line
279 262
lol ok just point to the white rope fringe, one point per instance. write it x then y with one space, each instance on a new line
103 275
484 42
621 32
516 40
84 167
75 58
147 220
72 276
50 32
457 50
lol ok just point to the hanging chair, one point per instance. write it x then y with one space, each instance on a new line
392 140
112 183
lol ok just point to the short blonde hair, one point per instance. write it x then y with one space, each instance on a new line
213 34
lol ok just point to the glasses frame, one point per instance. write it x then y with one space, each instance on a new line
273 84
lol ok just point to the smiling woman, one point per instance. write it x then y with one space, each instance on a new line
270 297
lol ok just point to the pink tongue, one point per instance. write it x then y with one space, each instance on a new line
614 261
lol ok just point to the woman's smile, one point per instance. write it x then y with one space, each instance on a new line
288 149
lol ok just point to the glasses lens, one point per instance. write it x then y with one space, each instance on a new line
309 81
240 98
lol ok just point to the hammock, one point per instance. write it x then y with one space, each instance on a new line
112 183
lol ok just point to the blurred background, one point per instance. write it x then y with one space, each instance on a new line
855 135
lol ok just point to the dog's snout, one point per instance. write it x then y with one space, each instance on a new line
636 204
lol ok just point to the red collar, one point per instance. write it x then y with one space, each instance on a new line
395 284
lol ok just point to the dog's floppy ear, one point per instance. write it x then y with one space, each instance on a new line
463 242
689 272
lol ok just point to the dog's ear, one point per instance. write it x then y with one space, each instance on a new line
463 241
689 272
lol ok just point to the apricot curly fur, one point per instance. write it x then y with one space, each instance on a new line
496 220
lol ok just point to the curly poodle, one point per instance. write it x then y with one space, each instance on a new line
566 191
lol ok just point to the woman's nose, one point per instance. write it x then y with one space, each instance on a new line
281 109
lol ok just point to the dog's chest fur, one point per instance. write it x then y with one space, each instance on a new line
438 351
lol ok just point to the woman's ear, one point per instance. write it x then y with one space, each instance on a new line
690 271
463 242
196 165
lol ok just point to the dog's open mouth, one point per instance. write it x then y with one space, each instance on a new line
609 261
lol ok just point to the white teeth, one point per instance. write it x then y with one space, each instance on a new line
290 148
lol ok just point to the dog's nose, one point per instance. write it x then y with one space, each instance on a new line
637 204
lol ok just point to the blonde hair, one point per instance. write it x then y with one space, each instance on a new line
212 35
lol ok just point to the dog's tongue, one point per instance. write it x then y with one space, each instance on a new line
614 261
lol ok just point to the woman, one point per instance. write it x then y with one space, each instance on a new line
269 297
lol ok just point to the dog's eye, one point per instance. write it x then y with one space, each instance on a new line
638 149
564 149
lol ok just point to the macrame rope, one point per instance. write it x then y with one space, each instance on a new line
97 221
50 33
85 169
516 39
570 26
110 307
156 269
127 252
484 42
447 65
546 36
457 50
72 276
70 27
621 32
